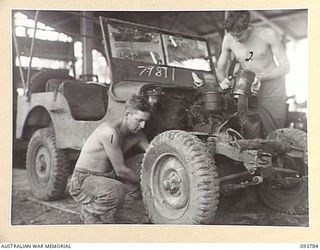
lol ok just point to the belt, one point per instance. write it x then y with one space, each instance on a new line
83 171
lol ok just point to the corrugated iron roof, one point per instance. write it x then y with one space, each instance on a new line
293 22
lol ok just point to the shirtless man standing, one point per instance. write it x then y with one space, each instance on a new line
255 49
101 181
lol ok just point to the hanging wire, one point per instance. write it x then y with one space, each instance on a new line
31 50
228 130
235 140
19 59
225 123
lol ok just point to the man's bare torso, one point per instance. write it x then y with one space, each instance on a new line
93 156
254 53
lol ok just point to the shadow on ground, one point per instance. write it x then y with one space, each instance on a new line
241 209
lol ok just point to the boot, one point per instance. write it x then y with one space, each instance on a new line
108 218
90 218
135 214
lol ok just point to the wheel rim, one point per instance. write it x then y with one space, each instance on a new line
289 190
170 186
42 165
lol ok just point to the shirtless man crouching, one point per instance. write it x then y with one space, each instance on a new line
101 181
256 48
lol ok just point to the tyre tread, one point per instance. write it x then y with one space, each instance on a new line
60 166
279 202
204 171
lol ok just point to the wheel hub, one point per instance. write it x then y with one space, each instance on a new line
170 184
42 164
288 181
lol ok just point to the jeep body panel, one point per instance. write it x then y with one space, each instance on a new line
69 132
52 109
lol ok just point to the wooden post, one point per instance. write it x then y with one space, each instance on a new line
86 31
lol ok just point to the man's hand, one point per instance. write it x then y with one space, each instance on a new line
255 85
225 84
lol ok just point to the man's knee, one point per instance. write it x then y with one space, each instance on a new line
108 199
114 193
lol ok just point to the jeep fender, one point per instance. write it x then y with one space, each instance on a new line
51 109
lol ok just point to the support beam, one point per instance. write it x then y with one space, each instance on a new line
278 29
86 30
225 17
63 21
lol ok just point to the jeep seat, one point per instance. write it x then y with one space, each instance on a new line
53 84
86 101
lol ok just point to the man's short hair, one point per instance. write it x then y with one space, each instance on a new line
138 102
237 21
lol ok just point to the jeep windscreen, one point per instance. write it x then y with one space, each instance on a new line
186 53
143 45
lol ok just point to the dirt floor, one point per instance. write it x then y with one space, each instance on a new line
243 209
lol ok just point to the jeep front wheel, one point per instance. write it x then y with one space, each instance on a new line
47 166
179 180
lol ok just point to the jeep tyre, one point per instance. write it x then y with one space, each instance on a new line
47 166
38 80
179 180
288 198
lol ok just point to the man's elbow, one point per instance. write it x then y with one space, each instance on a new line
121 172
287 68
127 174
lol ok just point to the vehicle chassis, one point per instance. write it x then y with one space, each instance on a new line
179 179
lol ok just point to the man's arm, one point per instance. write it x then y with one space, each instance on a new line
224 59
279 52
112 147
143 142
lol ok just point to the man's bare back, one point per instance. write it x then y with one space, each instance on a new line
94 155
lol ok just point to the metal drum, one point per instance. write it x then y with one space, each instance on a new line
214 101
244 80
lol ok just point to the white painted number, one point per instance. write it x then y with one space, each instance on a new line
158 71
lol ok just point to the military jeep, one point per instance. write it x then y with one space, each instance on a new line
198 147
